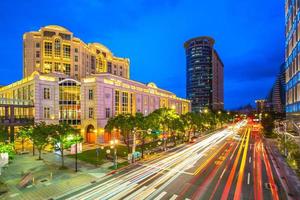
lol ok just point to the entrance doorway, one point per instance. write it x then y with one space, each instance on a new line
90 134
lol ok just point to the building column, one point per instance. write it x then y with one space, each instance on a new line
6 112
12 114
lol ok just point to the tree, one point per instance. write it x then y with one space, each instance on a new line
40 136
63 136
267 122
123 122
23 134
166 116
144 126
7 148
190 123
3 134
177 127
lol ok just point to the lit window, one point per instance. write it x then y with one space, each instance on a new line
107 112
46 113
48 49
67 69
117 102
91 94
66 51
57 48
109 67
124 102
91 113
56 67
46 93
47 67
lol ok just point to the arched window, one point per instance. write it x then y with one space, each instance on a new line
57 48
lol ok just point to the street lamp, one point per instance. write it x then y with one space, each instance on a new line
113 144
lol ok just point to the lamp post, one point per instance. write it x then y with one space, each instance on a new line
114 143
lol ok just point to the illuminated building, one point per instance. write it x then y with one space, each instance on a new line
88 102
204 75
292 58
54 49
276 96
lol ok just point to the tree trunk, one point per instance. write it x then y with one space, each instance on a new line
128 145
174 140
40 153
33 150
189 136
62 157
22 144
142 147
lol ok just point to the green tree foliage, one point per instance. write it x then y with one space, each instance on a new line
24 134
39 135
63 136
267 122
7 148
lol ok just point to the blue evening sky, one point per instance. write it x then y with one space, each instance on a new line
249 37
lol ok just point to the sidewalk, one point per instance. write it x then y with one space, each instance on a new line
49 181
287 175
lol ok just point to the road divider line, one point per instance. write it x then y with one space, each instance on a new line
161 195
173 197
248 180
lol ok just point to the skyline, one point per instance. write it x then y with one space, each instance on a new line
134 35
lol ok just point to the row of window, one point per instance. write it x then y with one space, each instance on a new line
48 50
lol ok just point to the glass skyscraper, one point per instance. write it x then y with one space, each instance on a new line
292 58
204 75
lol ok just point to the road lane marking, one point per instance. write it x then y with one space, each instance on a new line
161 195
135 193
173 197
250 159
248 180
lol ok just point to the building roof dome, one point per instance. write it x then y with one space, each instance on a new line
56 27
101 47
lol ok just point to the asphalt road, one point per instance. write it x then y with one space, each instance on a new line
229 164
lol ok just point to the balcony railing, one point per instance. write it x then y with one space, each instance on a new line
17 121
17 102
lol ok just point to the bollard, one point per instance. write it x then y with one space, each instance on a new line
51 176
32 180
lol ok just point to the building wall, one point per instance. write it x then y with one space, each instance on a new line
32 88
292 58
204 78
141 98
55 49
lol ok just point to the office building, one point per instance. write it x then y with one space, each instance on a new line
276 97
54 49
204 75
292 59
88 100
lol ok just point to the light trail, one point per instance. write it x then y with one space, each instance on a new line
270 174
237 194
231 175
221 176
161 172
